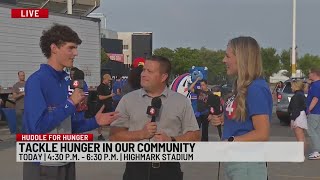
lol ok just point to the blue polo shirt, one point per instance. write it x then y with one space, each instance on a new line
258 102
46 104
314 91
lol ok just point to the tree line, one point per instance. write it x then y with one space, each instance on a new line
183 59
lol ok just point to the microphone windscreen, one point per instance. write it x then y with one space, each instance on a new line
156 102
78 75
215 103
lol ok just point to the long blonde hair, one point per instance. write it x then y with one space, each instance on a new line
297 85
249 64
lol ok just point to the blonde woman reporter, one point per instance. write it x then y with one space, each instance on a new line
248 111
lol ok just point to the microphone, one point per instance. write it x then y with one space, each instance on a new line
153 110
78 80
215 106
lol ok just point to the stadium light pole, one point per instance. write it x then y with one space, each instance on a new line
69 6
293 49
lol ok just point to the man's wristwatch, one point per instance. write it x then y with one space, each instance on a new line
230 139
173 139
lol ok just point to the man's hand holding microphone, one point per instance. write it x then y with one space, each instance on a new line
150 128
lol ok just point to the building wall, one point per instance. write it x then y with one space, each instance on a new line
136 44
141 45
19 45
126 37
112 45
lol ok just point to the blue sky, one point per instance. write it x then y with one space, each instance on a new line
211 23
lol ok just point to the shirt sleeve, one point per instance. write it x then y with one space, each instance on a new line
258 101
124 116
81 124
38 118
189 121
316 90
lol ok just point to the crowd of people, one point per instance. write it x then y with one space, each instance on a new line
48 102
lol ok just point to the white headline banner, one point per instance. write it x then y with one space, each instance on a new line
159 152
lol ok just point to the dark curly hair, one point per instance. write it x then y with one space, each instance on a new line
58 35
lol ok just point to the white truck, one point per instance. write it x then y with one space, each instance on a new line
20 51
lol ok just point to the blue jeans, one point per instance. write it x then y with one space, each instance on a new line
245 171
314 131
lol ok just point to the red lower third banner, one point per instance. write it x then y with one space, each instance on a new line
29 13
54 137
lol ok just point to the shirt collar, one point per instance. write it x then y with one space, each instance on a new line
165 92
57 74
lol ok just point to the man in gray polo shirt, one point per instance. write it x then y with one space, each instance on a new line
18 96
176 120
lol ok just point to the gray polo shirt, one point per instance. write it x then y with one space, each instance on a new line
19 88
176 115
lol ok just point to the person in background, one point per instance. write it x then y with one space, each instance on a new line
134 77
297 110
313 111
72 70
48 108
1 113
248 111
104 99
1 101
116 89
279 86
307 86
18 96
202 106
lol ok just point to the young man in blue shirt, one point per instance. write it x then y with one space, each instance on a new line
48 108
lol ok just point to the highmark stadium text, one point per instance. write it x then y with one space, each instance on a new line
91 151
103 151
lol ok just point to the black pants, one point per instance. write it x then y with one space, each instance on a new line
204 125
147 171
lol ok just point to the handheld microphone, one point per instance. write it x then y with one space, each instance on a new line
215 106
153 110
78 80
